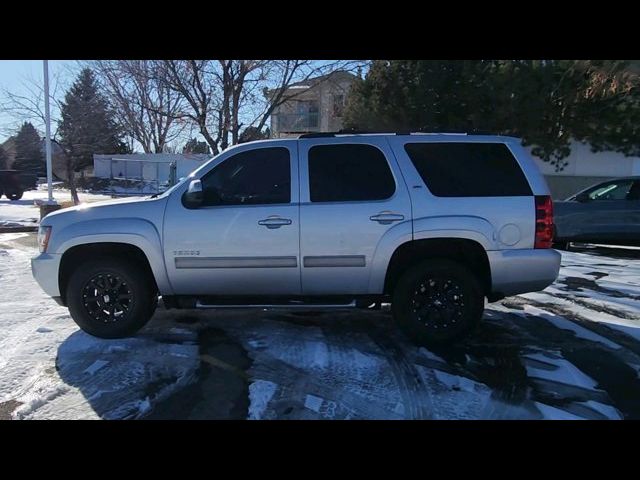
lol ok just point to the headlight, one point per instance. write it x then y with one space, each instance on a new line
44 233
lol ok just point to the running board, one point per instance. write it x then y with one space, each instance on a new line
301 306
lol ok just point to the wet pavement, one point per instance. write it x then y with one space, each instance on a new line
570 352
523 362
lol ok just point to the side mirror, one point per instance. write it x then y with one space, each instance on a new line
193 197
582 197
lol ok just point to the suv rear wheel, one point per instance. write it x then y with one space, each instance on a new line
437 302
111 298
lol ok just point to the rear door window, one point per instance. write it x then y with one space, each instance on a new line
468 169
349 172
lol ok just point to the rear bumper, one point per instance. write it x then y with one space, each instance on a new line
44 268
521 271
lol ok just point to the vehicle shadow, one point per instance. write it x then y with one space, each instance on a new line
122 378
170 370
343 365
16 202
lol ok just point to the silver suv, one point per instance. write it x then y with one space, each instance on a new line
432 223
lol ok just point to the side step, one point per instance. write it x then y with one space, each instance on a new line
271 306
273 301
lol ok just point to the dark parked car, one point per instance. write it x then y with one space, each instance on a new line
13 183
607 213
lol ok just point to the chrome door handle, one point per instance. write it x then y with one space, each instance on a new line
385 218
274 222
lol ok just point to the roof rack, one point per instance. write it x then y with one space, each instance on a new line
372 132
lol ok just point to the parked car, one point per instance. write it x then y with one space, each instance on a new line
13 183
433 224
606 213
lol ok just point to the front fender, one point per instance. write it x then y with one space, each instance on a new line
133 231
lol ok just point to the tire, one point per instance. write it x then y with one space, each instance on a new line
14 195
447 311
565 246
112 285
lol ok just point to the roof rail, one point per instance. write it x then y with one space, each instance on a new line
373 132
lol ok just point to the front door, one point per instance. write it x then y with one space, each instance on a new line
244 239
352 193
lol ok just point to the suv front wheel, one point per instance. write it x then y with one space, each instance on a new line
14 195
111 298
437 302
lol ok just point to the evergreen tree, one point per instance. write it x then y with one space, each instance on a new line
546 103
87 126
250 134
195 146
3 159
29 155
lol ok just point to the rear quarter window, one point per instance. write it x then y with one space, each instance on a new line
468 169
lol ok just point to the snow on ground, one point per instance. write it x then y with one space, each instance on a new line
570 352
56 371
25 212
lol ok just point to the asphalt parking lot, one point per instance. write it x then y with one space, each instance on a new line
570 352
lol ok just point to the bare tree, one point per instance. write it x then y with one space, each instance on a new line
195 82
144 104
220 93
27 104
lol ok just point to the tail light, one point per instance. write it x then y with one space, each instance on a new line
544 222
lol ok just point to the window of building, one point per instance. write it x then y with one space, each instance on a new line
338 105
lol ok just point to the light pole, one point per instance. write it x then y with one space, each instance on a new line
50 205
47 122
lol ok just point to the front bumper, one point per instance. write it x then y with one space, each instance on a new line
521 271
45 268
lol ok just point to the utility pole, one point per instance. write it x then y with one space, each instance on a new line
51 204
47 113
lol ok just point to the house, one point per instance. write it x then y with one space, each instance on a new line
585 168
153 168
315 105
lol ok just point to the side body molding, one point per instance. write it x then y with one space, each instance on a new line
133 231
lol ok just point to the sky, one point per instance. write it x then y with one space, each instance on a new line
15 73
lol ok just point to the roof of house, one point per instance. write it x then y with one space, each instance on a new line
312 82
337 75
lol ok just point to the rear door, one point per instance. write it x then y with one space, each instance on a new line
351 194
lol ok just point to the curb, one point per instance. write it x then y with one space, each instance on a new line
18 229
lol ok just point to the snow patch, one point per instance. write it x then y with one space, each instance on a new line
564 324
607 410
557 369
552 413
313 403
95 366
260 394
